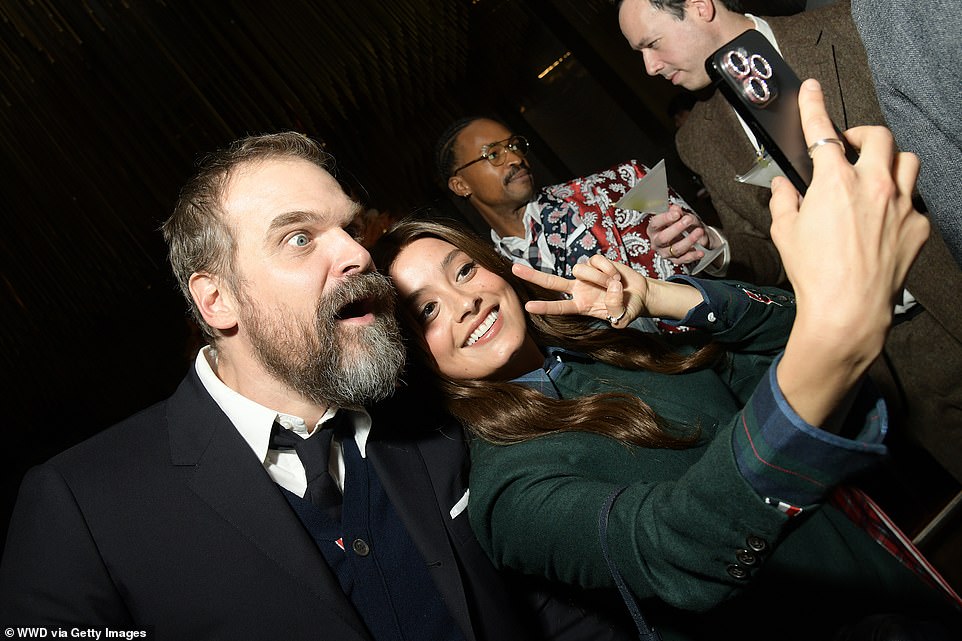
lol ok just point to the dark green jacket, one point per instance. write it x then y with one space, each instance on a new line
699 526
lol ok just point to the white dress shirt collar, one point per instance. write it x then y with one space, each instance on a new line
765 29
254 422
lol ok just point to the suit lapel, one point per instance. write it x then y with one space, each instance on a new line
734 146
232 482
810 53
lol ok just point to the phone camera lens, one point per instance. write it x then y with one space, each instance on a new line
758 90
736 63
760 66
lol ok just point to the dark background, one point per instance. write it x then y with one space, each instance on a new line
105 105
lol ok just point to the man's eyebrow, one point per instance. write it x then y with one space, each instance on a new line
495 142
355 210
289 218
445 262
297 217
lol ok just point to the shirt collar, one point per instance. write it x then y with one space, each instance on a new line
254 421
765 29
529 218
542 379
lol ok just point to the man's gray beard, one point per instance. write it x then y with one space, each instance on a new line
347 366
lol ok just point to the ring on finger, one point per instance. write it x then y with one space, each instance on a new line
671 250
614 321
824 141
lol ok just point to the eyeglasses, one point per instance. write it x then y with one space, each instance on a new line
496 152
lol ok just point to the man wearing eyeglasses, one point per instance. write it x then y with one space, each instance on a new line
554 228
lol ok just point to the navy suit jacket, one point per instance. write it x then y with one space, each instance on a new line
168 520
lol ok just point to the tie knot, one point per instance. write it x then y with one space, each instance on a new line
314 453
283 438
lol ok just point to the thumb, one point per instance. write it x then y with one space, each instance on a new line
785 199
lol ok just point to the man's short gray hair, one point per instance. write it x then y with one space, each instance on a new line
198 238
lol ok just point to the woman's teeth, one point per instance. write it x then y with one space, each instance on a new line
482 328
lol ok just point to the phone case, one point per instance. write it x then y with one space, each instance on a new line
763 89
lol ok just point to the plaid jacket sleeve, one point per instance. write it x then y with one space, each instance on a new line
790 463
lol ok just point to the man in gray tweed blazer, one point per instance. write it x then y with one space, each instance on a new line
920 366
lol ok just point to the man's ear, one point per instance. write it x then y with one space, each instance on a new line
458 185
702 9
213 300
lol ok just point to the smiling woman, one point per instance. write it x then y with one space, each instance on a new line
678 468
470 318
465 309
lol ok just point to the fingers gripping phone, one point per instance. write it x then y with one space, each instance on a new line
763 90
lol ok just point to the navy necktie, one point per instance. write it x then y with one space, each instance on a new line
315 454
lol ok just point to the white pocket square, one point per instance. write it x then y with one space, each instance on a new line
460 505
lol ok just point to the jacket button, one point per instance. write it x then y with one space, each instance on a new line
360 547
756 543
737 572
746 558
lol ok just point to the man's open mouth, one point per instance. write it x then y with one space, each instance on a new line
355 309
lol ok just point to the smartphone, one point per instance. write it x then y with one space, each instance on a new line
763 89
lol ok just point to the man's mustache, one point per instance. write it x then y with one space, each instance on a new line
371 290
514 171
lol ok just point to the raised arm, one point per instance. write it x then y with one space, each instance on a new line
847 248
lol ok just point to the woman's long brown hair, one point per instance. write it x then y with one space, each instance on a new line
504 412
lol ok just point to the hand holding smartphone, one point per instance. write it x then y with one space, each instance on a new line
763 90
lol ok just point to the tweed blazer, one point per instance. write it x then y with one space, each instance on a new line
913 51
821 44
923 355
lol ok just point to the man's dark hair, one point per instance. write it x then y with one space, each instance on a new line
677 7
444 148
444 160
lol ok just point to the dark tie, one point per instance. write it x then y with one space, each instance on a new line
315 453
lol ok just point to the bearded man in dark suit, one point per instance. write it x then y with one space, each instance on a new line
271 496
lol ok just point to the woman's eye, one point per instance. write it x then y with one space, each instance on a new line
466 270
427 311
298 240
